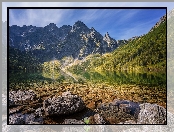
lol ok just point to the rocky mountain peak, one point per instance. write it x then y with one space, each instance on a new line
92 28
107 35
79 26
107 38
51 26
79 23
162 20
77 41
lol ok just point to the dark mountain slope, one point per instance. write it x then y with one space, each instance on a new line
51 42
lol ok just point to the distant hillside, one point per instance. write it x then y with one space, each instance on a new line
145 53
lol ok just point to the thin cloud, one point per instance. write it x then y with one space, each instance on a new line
38 17
169 5
119 23
137 29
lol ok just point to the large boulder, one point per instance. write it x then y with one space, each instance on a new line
65 104
127 106
21 97
129 112
151 114
118 111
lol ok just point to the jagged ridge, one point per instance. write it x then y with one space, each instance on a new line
50 41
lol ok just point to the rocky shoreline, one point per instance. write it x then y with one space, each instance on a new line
77 105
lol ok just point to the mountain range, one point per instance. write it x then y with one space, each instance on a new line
77 41
31 46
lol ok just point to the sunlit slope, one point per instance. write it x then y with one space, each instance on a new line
145 53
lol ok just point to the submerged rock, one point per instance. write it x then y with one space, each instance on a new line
151 114
65 104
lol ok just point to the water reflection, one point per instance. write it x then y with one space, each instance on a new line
37 76
27 76
52 75
127 78
145 87
111 78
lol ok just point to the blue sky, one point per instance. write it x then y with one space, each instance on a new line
120 23
138 22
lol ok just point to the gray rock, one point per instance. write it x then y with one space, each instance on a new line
127 106
11 103
39 112
115 112
20 97
151 114
19 118
99 119
142 113
65 104
31 119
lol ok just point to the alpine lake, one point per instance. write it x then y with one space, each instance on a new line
93 86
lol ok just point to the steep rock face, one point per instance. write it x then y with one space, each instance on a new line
50 41
110 41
